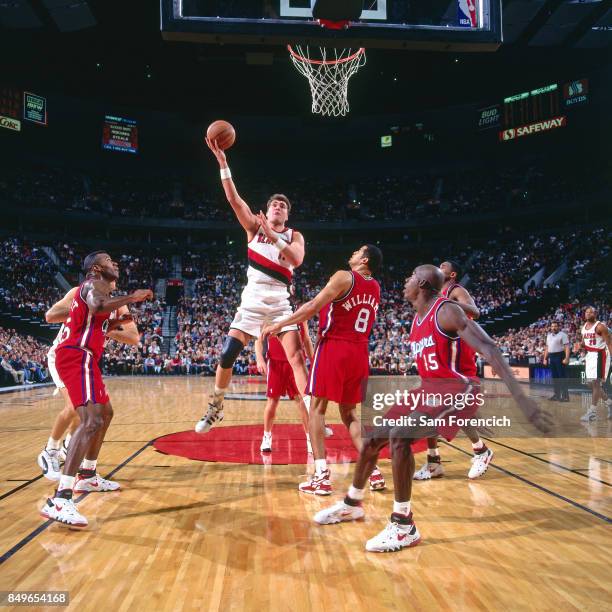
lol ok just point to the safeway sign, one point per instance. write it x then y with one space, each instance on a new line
533 128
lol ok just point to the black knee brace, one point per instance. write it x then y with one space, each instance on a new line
230 351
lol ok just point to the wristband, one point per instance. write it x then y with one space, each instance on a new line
226 173
280 244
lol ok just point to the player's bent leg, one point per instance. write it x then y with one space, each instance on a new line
234 342
88 480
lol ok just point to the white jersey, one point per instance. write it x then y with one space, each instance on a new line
265 299
592 340
266 263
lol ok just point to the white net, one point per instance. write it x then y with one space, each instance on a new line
328 71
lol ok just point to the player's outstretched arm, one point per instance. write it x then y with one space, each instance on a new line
59 312
245 216
452 320
100 302
466 302
337 285
124 329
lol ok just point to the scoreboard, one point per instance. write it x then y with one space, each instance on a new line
120 134
531 106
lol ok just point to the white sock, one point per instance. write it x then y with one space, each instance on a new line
593 407
433 452
401 508
355 493
89 465
219 394
67 439
53 444
478 445
66 482
306 400
320 465
267 434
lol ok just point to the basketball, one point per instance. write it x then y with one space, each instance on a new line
223 132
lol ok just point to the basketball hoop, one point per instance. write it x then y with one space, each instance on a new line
328 72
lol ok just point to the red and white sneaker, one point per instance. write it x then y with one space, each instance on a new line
480 463
63 511
377 481
339 513
394 537
319 484
84 484
429 471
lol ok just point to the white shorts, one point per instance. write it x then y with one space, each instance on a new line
53 370
262 303
596 365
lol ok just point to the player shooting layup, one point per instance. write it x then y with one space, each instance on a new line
274 251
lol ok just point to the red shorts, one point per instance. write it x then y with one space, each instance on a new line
79 371
339 371
459 401
280 380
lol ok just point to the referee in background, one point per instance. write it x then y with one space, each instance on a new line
557 353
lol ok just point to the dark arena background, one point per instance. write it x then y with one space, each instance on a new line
470 135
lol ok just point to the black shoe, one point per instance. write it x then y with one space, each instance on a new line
554 398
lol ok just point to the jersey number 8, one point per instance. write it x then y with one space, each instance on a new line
361 324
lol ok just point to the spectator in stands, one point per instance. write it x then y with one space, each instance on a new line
18 377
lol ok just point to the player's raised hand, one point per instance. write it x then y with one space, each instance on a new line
217 151
141 295
265 226
542 419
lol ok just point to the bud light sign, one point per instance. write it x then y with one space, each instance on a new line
488 117
467 16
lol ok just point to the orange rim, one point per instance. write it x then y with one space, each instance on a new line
307 60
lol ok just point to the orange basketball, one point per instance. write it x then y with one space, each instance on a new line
223 132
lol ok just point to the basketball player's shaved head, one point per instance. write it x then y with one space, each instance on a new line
432 275
425 280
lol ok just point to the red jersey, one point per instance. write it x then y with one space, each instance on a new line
275 348
466 354
437 354
352 316
82 329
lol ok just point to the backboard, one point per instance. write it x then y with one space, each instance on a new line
449 25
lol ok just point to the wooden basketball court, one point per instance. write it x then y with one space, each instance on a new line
533 533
